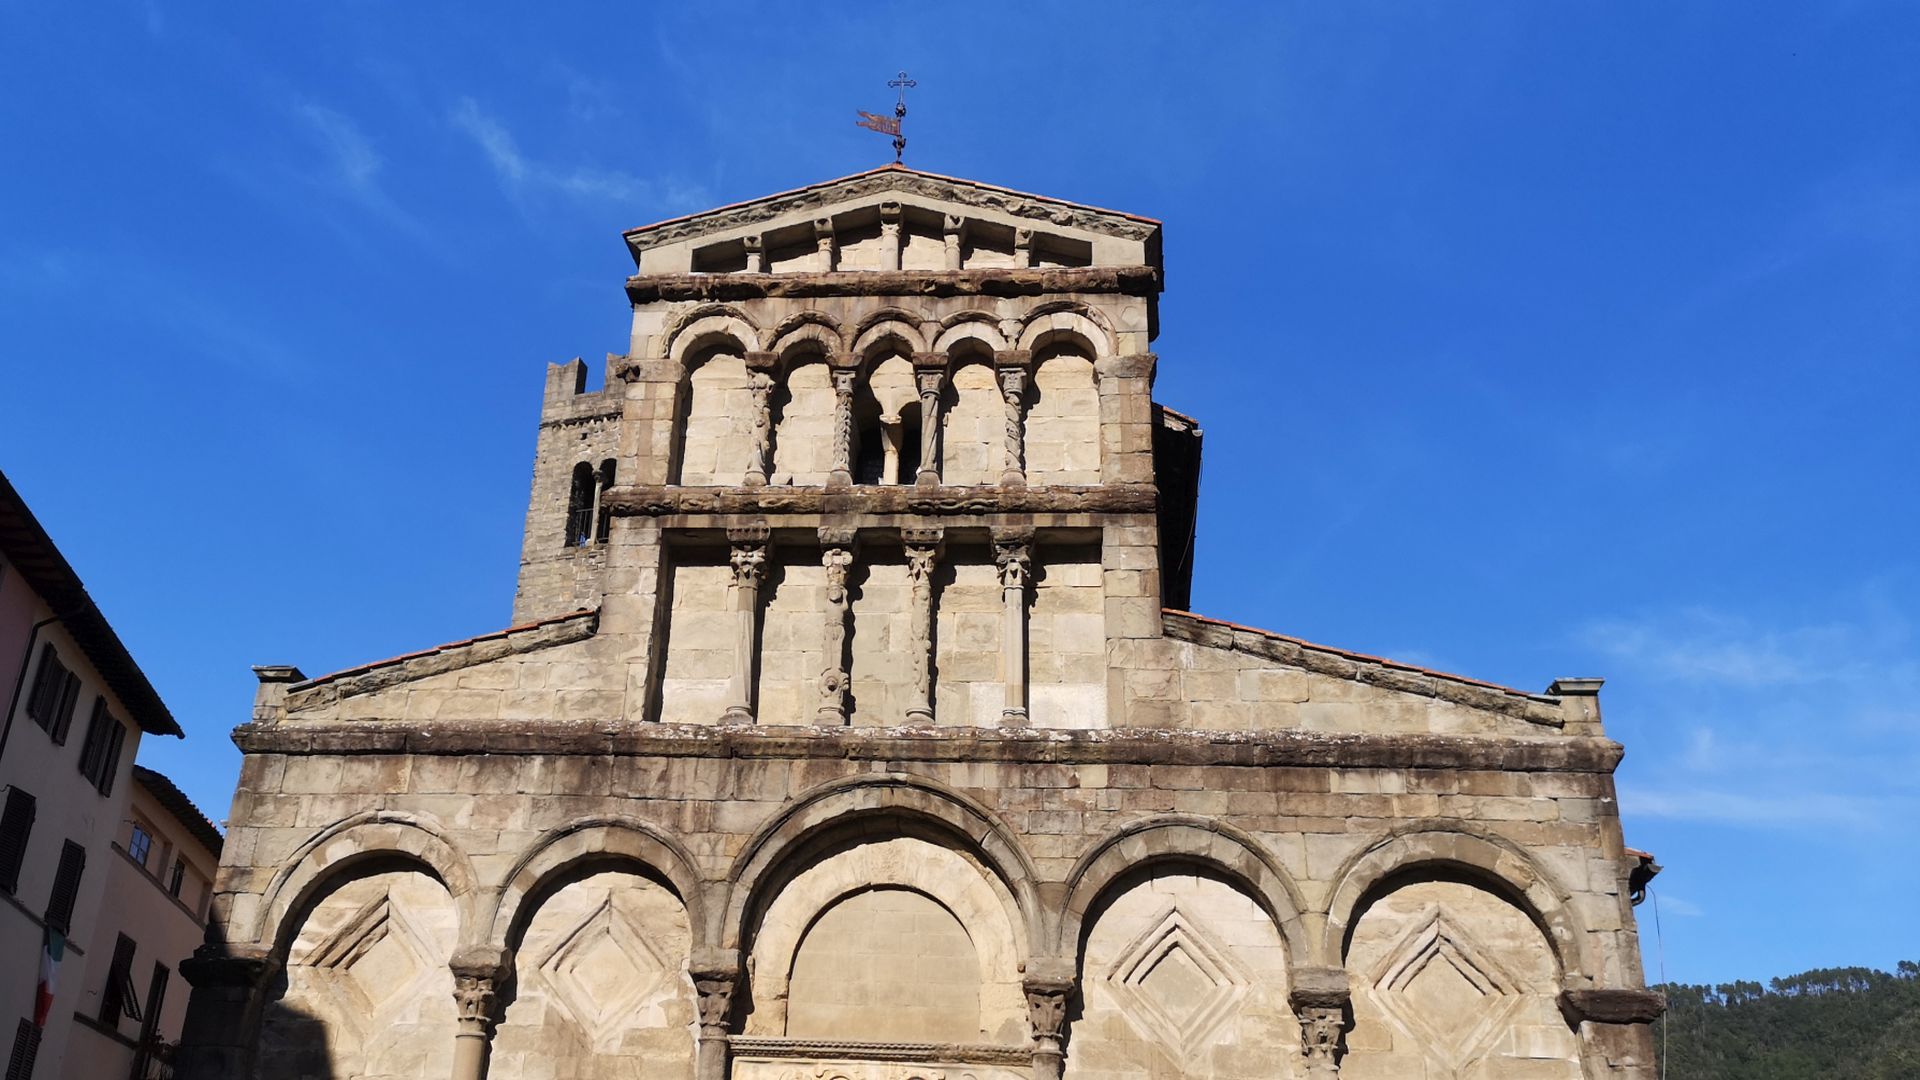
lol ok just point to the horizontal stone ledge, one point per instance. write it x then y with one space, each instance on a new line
1613 1006
883 499
1026 746
1010 281
779 1049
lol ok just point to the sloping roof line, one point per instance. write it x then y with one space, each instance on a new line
1363 658
361 669
33 554
887 168
181 807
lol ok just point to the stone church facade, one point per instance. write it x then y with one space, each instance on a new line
851 728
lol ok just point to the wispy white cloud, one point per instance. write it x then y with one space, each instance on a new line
353 156
1674 905
1782 807
525 177
353 169
1706 646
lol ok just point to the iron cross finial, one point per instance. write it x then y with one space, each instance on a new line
902 84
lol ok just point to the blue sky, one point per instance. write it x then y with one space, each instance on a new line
1530 340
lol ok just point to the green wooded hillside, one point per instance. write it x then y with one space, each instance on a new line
1833 1022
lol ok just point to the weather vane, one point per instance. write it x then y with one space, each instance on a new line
890 125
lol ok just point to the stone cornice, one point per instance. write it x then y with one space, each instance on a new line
966 193
883 499
1125 280
366 678
1613 1005
1145 746
813 1050
1373 670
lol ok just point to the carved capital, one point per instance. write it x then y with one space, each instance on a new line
714 989
1320 1031
954 224
837 560
748 555
1013 554
890 213
1047 1006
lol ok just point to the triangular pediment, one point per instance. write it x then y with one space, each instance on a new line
1054 231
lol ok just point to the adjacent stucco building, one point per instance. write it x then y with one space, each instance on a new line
77 706
851 725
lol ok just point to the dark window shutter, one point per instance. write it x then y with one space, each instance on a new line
156 997
66 887
26 1046
175 879
110 762
113 996
46 683
63 709
16 825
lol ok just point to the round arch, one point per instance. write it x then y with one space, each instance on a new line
1191 839
805 327
888 323
847 801
1074 322
1481 854
720 328
938 873
971 326
611 840
366 837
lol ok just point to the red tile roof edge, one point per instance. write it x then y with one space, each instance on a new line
889 167
1347 654
181 807
360 669
1194 420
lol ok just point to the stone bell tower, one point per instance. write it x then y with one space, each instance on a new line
881 451
851 725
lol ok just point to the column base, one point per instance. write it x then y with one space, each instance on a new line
919 716
826 717
1014 718
737 714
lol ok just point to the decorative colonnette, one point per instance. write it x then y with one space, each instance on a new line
720 911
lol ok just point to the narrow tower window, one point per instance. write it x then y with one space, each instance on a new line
580 506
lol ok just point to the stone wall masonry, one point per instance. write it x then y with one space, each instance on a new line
1535 817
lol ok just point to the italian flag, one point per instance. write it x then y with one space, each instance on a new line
56 947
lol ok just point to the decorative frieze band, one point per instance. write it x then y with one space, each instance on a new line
1122 280
654 501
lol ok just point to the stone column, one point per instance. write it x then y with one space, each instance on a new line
714 974
836 555
823 241
748 560
924 548
930 380
1615 1028
890 450
478 973
1012 365
760 369
843 380
1319 999
1023 247
1013 554
756 256
222 1028
1048 986
890 235
955 231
